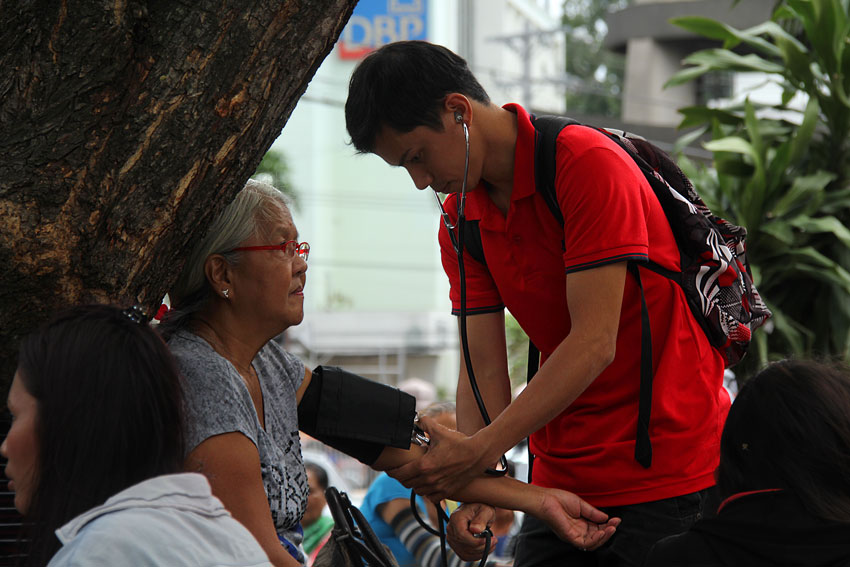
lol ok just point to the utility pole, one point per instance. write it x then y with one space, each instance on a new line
524 45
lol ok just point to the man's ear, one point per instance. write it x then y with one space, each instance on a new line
217 271
456 103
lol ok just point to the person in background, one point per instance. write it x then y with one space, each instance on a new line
241 287
95 451
386 507
317 526
784 475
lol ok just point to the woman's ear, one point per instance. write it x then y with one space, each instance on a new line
217 271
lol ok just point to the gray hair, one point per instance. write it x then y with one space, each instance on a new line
439 408
254 207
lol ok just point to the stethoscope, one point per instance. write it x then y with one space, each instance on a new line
457 242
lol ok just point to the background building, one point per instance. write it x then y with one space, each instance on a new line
655 48
376 300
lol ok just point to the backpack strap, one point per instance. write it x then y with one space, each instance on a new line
548 128
472 241
643 445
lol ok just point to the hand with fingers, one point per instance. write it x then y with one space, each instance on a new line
464 529
574 520
452 461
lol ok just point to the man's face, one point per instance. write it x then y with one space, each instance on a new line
433 158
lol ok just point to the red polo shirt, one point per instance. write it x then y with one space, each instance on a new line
610 215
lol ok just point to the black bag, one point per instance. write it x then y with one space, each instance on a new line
352 542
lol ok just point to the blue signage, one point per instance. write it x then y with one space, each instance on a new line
378 22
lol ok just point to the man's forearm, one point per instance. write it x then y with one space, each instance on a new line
502 492
496 399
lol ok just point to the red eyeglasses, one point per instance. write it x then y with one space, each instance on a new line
290 248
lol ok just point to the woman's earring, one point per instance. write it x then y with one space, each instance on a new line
226 293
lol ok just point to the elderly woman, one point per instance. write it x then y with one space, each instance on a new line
242 286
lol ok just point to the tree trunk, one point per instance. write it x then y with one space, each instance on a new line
126 126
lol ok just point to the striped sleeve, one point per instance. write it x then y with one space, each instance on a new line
422 544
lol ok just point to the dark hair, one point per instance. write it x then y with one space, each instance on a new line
401 85
319 472
109 414
789 428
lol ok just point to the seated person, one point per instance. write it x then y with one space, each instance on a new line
240 288
317 527
95 451
784 473
386 507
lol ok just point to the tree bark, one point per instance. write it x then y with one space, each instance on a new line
126 126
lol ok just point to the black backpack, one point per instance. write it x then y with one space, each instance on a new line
715 276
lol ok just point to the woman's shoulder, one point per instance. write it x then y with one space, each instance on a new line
200 365
191 351
159 530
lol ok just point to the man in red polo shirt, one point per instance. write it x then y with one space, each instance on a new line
569 288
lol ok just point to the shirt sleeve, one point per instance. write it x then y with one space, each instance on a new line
482 296
603 196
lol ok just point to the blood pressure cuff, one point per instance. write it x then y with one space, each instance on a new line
354 414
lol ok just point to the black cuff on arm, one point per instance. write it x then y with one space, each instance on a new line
355 415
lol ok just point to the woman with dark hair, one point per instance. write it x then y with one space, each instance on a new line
96 443
784 473
240 289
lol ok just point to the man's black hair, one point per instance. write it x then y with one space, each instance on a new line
401 86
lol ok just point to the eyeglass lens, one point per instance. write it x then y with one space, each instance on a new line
293 248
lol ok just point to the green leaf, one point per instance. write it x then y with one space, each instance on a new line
698 115
685 75
731 37
734 144
831 274
689 138
807 129
828 225
802 190
781 231
721 59
706 27
797 62
785 326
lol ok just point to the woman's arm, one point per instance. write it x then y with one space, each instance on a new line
232 465
571 518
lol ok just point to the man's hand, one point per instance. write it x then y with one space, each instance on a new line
574 520
466 522
452 461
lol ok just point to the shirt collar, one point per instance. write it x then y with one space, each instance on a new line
523 154
478 205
